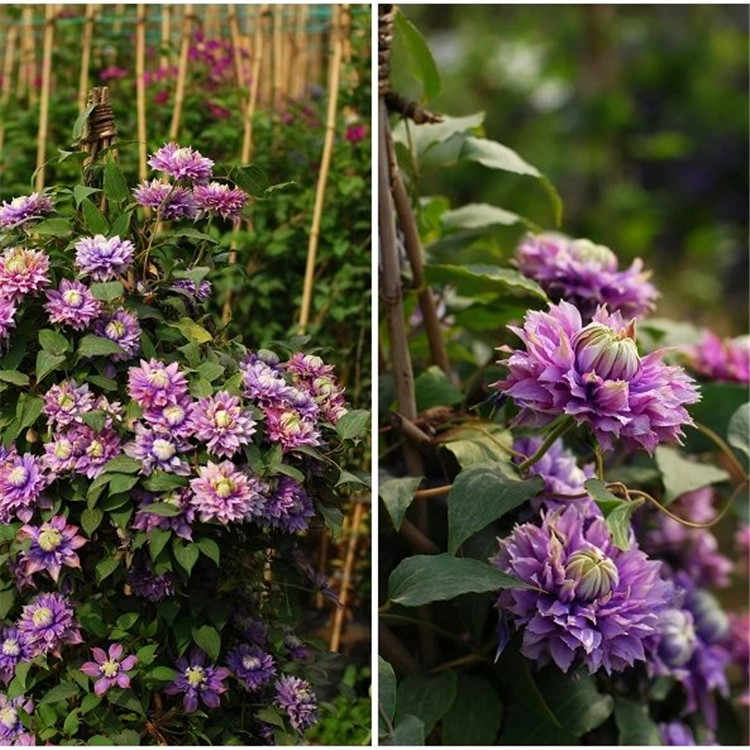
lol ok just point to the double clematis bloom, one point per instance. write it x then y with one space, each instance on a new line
198 681
103 258
123 329
252 666
172 201
47 624
295 697
182 163
594 374
592 603
22 479
23 272
224 493
216 198
12 729
23 209
72 304
718 359
155 384
289 508
222 424
109 668
53 546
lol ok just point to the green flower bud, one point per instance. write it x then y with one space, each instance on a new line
611 355
595 573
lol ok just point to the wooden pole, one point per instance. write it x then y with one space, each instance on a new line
166 35
278 65
28 61
267 68
338 616
119 10
302 55
140 87
325 163
8 60
187 24
41 144
234 31
247 137
83 80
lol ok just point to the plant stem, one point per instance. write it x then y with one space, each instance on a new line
722 445
552 435
599 462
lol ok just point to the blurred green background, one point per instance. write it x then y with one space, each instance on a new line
639 117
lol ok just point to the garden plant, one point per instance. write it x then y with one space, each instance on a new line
564 476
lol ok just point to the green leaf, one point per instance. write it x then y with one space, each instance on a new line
472 280
70 725
121 225
60 692
251 179
397 496
478 442
409 732
429 136
738 434
89 703
97 346
474 718
53 342
192 331
53 227
209 548
106 384
93 218
157 540
122 483
634 725
90 520
162 481
95 419
271 716
18 683
146 654
83 191
430 578
115 187
46 363
617 512
480 495
420 59
386 688
209 640
14 377
105 568
427 698
209 371
7 599
166 510
30 409
432 388
185 554
196 274
127 620
681 475
479 216
122 464
334 519
353 424
106 291
162 674
192 234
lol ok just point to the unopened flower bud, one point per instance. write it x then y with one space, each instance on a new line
31 435
678 637
711 622
593 254
610 355
595 573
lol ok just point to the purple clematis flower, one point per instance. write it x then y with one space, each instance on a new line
8 309
93 449
197 681
721 360
22 272
216 198
12 651
289 508
157 451
110 668
53 545
199 292
25 208
594 374
103 258
12 729
146 584
224 493
65 402
287 426
180 523
296 698
47 624
251 665
154 384
173 201
72 304
123 328
220 422
173 419
22 479
676 733
182 163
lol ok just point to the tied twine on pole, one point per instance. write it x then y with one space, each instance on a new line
100 132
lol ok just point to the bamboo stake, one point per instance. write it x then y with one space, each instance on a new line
278 65
41 147
179 95
140 87
266 83
88 32
302 54
247 138
8 60
119 10
325 163
234 31
28 61
338 617
166 35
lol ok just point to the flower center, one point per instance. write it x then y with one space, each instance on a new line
115 329
195 676
290 422
222 418
95 449
65 401
595 573
174 415
17 263
611 355
173 498
224 487
597 255
158 378
42 617
110 668
49 539
11 647
8 717
72 298
163 449
251 662
63 449
18 476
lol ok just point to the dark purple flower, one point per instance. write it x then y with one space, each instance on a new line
222 424
216 198
251 665
288 427
8 309
586 275
157 451
296 698
594 374
198 681
224 493
23 209
103 258
110 669
146 584
180 523
596 604
676 733
718 359
12 651
356 133
94 449
12 729
156 384
47 624
295 648
182 163
22 272
72 304
123 328
173 201
112 72
22 479
199 292
289 508
53 545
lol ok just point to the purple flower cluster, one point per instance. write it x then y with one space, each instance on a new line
12 730
182 163
23 209
252 666
199 292
718 359
594 374
585 274
22 480
47 624
145 583
296 698
103 259
53 546
198 681
72 304
289 508
22 272
123 329
591 602
180 523
171 201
